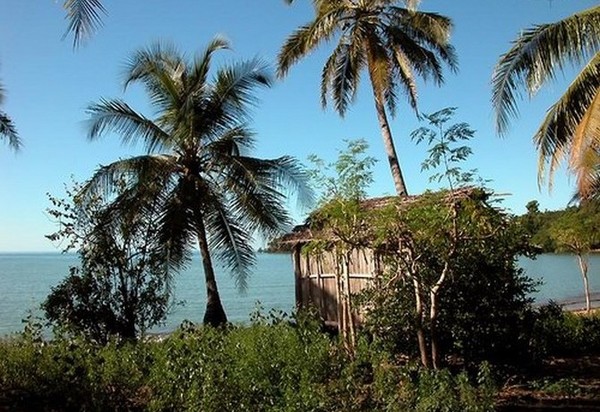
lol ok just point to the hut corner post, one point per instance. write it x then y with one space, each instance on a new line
296 256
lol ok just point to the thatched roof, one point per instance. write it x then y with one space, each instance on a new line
303 233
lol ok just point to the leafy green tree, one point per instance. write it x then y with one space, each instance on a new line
578 231
443 150
341 223
453 287
394 44
348 177
570 130
8 130
443 249
210 189
122 287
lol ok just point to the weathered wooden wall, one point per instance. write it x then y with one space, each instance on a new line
317 279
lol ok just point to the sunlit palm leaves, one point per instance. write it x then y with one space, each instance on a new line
210 189
571 129
393 44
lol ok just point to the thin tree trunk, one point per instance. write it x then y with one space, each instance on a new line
215 314
420 332
348 300
583 266
390 149
435 350
339 299
433 311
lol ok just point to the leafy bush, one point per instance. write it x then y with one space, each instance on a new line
413 388
484 309
271 365
123 285
560 333
260 367
69 374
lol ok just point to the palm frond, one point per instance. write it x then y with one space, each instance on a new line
9 132
558 134
537 55
345 78
177 224
587 173
8 129
408 81
160 69
307 38
229 239
231 97
141 171
85 17
420 60
254 189
429 30
328 72
378 63
132 127
202 62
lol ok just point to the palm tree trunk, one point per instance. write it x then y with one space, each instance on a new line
390 149
215 314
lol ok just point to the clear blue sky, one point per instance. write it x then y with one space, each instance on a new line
49 85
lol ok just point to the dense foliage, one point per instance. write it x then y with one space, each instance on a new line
560 333
271 365
484 308
552 230
122 286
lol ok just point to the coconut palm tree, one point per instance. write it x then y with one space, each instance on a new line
197 163
571 129
8 130
394 44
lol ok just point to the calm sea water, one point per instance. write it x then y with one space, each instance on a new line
26 279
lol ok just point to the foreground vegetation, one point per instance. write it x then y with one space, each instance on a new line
274 364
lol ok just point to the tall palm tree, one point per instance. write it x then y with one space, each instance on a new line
571 128
8 130
197 162
394 44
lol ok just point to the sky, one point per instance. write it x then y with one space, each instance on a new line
49 85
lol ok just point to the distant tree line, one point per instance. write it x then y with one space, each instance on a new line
552 231
574 230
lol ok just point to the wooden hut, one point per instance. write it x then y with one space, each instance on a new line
325 281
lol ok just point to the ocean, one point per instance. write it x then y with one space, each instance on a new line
26 279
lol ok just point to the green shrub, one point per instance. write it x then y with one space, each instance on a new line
560 333
412 388
260 367
69 375
270 365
